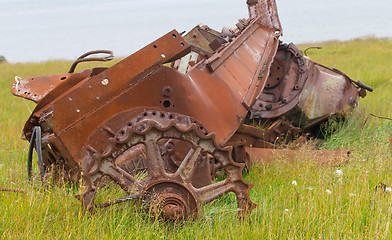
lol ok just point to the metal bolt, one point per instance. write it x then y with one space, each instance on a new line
141 128
105 82
268 107
257 115
167 91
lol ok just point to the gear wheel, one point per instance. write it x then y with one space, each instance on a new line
168 190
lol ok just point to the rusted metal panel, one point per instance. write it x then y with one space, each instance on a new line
261 46
267 13
262 72
326 92
98 90
201 37
284 84
266 156
36 88
218 109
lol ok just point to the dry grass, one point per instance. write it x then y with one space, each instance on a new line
322 204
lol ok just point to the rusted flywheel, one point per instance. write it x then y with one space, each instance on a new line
179 159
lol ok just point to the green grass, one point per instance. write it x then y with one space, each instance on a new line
353 210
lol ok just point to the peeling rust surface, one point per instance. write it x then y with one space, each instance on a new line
326 92
36 88
168 121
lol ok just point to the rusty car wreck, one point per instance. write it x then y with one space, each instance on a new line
165 120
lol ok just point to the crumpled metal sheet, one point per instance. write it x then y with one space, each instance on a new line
326 92
267 12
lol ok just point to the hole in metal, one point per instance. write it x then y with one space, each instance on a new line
166 103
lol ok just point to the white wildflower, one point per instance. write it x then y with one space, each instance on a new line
328 191
339 173
352 194
388 189
294 183
309 188
286 210
340 180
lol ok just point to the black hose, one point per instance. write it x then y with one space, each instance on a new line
36 135
311 48
30 155
364 86
90 59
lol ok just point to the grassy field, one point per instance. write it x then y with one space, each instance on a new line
323 205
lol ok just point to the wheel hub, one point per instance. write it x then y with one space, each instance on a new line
170 201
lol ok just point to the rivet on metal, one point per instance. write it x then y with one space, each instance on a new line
105 82
167 91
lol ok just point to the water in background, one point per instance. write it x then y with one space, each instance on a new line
39 30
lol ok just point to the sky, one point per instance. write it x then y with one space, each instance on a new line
39 30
